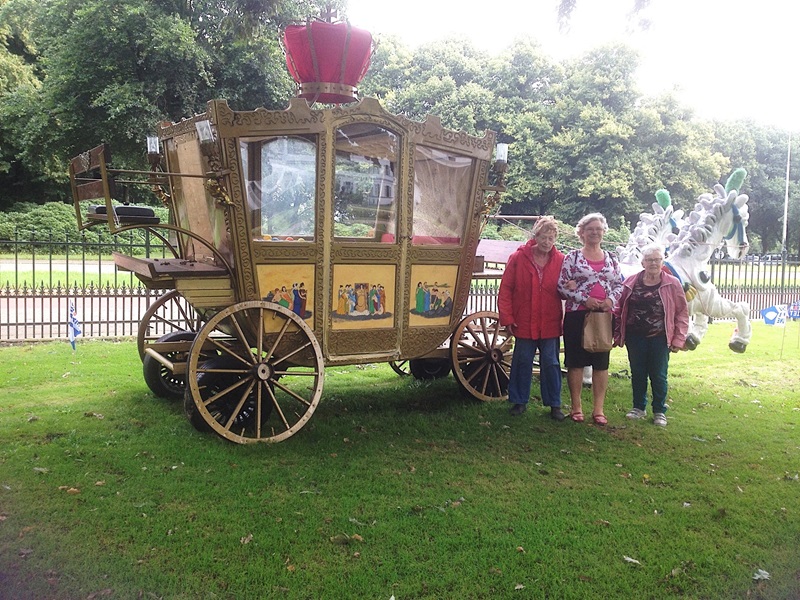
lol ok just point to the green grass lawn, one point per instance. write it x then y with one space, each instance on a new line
80 278
401 488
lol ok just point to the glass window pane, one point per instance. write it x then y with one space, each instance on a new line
365 187
281 181
441 196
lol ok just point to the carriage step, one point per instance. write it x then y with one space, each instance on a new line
207 292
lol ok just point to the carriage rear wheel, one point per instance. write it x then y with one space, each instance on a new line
266 380
429 368
169 313
480 351
163 382
401 367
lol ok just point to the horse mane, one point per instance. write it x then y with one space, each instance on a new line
655 227
700 224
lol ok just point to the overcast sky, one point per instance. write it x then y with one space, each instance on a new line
726 59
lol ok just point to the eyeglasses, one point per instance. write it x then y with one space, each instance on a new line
653 260
594 230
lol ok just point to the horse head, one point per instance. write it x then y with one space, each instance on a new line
716 220
738 215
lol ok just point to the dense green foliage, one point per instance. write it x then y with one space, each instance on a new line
50 227
83 73
583 138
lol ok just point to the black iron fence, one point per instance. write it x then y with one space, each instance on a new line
40 275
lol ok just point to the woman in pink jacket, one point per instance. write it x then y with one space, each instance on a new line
530 307
652 319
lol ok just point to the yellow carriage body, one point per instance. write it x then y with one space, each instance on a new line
353 203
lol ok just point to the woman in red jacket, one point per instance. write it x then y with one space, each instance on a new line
530 307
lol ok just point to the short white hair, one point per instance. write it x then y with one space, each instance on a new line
652 248
586 219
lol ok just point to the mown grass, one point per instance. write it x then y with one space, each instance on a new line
401 488
76 277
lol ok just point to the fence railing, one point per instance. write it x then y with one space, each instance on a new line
38 284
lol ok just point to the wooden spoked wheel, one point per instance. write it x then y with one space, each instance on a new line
265 380
401 367
169 314
480 352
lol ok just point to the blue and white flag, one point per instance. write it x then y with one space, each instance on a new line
74 325
775 315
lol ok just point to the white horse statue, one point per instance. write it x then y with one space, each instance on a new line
717 219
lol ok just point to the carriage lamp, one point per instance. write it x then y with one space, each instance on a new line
204 131
207 146
209 149
152 145
501 154
153 152
499 169
500 164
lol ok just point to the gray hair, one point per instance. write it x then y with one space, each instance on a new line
652 248
585 220
546 224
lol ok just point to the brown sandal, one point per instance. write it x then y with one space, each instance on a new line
576 416
600 419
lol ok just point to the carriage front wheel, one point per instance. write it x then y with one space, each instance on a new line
265 378
480 352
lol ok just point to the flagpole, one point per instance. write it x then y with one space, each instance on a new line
783 241
786 197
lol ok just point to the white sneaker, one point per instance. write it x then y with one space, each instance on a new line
636 413
660 419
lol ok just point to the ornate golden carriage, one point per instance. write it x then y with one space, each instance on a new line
302 239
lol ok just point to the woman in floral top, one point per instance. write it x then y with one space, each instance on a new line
590 280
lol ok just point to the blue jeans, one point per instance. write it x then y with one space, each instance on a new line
519 386
649 358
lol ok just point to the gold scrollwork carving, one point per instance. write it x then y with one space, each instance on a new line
428 255
284 252
374 254
418 341
360 342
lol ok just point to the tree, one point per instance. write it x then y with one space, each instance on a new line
390 65
762 152
674 152
585 157
110 71
18 71
567 7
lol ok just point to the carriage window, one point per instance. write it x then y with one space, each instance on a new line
280 178
365 187
441 196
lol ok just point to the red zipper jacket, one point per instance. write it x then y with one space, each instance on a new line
532 304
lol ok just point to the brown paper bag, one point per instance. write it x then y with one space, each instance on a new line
597 332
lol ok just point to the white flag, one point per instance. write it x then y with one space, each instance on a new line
74 325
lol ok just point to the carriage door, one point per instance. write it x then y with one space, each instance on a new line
365 284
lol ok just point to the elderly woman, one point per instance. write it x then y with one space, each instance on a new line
652 320
590 280
530 307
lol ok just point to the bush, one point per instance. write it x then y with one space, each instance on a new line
51 227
